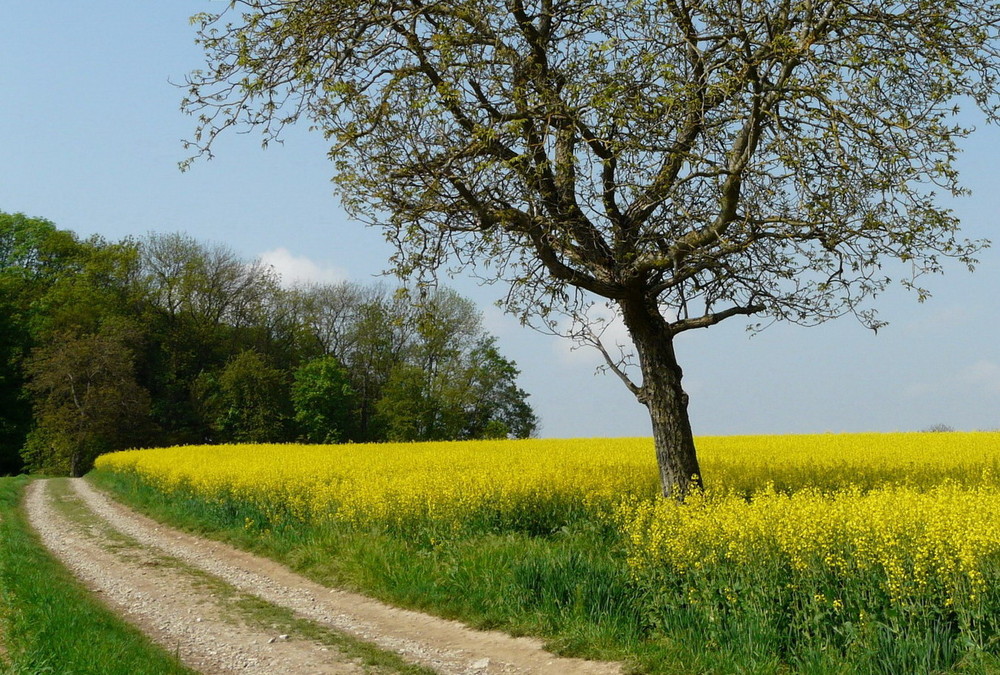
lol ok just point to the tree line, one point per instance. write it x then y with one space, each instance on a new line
167 340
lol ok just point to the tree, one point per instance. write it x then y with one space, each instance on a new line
87 400
420 368
253 401
456 385
15 409
683 161
331 312
205 305
424 395
21 239
379 339
323 401
495 406
52 284
167 341
406 410
209 282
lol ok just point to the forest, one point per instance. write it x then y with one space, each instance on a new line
166 340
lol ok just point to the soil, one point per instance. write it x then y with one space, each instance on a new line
180 589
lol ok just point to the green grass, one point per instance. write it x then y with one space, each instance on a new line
570 587
573 588
48 622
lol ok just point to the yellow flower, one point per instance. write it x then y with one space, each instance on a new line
918 512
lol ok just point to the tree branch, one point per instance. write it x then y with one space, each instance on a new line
713 318
614 367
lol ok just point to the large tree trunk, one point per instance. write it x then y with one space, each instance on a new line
663 396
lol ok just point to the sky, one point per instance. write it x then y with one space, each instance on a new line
91 135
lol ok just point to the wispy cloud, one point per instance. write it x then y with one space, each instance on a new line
300 269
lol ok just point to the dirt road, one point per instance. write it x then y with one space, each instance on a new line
223 610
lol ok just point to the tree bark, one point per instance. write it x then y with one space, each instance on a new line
664 398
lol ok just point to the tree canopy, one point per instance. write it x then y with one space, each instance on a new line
683 161
87 399
167 340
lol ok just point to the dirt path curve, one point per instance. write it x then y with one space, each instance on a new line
186 620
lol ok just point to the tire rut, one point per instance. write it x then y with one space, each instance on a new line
174 607
448 647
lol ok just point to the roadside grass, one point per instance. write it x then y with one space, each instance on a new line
48 621
573 587
241 607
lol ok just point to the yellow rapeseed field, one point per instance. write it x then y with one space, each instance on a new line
919 511
387 482
917 544
881 551
405 483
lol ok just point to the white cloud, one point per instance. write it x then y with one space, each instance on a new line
300 269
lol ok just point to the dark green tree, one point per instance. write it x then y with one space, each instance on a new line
407 411
379 342
495 407
86 398
253 401
682 162
174 341
324 402
15 408
452 383
471 397
206 305
15 340
422 399
416 362
51 284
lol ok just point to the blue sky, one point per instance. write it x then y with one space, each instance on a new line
90 138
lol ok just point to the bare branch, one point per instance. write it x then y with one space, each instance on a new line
615 368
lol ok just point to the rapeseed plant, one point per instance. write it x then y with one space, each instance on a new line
801 546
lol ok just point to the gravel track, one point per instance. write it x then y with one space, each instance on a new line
168 604
156 598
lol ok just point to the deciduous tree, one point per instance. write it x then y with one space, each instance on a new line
495 407
253 401
87 400
324 402
683 161
52 284
205 305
